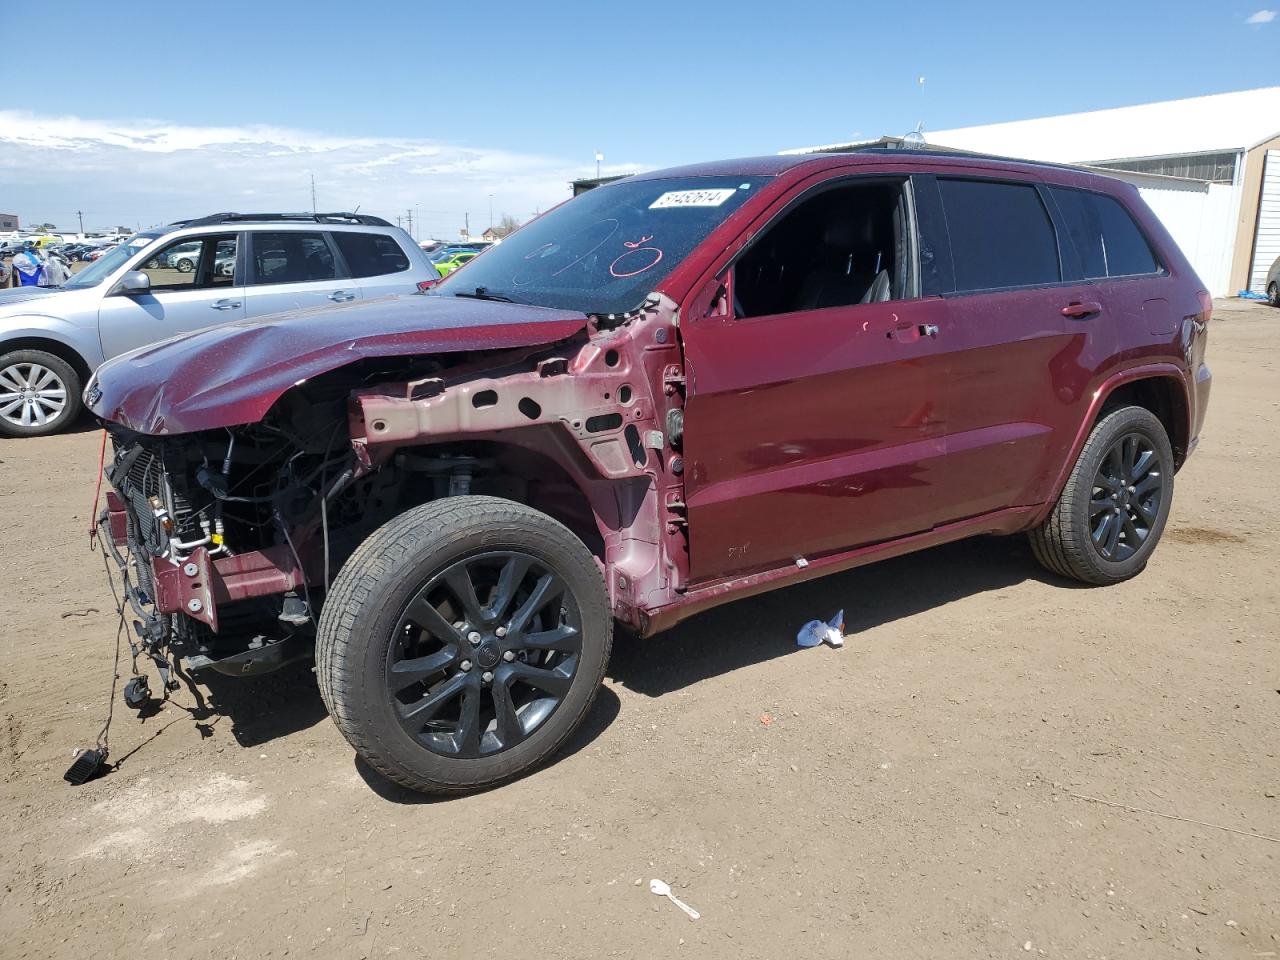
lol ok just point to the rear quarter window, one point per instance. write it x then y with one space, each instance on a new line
1105 236
1001 235
371 254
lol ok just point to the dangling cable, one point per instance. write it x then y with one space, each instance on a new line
97 492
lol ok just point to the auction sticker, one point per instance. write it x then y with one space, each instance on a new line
691 198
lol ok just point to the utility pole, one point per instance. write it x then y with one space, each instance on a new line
466 228
81 216
418 220
491 211
313 194
408 215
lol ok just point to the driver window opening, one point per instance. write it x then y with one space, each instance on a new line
839 248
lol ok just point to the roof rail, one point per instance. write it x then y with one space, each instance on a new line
363 219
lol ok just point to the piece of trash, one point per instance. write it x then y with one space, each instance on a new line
766 718
816 632
664 890
801 562
80 613
1251 295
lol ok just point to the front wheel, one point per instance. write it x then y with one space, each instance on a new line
1115 503
463 643
1273 294
39 393
185 265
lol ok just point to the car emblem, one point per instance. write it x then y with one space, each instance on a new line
92 395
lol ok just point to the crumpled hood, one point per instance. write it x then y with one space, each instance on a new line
232 373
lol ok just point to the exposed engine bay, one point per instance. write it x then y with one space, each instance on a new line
227 540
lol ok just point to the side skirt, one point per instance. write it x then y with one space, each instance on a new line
704 597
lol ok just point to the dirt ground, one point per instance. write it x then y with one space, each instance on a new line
919 793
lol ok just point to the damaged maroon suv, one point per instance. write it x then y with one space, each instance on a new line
679 389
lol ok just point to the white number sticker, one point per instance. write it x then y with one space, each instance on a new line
691 198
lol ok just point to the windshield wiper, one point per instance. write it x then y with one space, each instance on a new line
483 294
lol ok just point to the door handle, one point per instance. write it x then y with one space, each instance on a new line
341 296
1078 310
225 304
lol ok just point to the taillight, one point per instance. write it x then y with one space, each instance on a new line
425 285
1206 306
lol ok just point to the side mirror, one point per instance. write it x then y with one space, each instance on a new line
133 282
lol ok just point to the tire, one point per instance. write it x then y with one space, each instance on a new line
39 394
1099 504
1273 294
372 641
185 266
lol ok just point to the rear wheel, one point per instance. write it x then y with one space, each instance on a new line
1115 503
39 393
185 265
463 643
1273 294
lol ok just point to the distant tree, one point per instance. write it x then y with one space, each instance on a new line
44 228
506 224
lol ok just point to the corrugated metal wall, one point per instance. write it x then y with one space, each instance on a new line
1198 217
1266 242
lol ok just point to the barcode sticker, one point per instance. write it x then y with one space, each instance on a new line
691 198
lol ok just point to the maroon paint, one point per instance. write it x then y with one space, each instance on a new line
841 436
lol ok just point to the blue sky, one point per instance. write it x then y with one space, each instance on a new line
141 116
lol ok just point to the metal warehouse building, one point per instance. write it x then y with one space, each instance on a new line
1208 166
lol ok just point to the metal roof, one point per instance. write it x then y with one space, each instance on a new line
1216 123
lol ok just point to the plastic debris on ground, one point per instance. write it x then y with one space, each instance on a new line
663 889
1251 295
815 632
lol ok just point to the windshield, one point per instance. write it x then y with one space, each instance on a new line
109 262
604 250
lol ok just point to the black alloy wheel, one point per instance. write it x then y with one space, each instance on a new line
485 653
1127 498
463 643
1114 505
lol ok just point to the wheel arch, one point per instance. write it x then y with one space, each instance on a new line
1165 396
58 348
549 476
1160 388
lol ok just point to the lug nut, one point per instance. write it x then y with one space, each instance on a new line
501 632
487 677
509 656
474 638
464 666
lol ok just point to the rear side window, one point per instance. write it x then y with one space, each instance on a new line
1106 238
1001 235
291 257
371 254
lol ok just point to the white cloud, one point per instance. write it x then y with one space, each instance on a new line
1262 16
150 172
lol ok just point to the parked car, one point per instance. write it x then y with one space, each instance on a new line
677 389
1273 284
153 285
451 262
